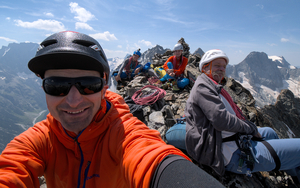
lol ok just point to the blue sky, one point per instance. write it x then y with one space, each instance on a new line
237 27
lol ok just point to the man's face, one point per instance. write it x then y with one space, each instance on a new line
135 57
218 69
74 111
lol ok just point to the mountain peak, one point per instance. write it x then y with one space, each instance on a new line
281 62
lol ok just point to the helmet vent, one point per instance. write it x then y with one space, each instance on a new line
48 42
84 43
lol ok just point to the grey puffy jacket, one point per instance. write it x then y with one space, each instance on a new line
206 116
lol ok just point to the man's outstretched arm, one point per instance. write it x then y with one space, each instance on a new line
176 171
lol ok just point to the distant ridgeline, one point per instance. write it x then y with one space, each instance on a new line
21 96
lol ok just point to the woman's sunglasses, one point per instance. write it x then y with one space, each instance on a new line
60 86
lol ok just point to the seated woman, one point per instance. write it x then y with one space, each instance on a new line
175 67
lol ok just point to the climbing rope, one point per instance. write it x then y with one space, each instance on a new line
148 95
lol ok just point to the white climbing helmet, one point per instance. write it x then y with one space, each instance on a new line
178 46
211 55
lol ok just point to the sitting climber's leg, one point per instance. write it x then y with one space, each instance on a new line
182 82
287 150
176 136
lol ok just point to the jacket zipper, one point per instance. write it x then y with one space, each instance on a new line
86 173
80 167
81 162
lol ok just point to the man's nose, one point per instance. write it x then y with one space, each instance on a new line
222 68
74 98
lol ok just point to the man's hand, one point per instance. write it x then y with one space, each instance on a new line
258 135
170 72
117 78
137 71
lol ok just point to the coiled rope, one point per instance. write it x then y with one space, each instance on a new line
148 95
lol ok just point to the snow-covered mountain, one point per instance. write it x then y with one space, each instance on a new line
265 76
114 62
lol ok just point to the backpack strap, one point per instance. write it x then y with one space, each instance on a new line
274 155
230 138
268 146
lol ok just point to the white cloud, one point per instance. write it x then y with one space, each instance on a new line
104 36
82 14
272 44
112 53
81 25
49 14
6 7
8 39
260 6
136 46
119 46
284 40
147 43
48 25
7 18
239 52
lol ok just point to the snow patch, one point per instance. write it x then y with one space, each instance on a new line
292 85
34 120
290 132
25 76
6 51
276 58
269 92
292 67
245 83
22 126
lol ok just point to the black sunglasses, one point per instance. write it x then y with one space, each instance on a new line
60 86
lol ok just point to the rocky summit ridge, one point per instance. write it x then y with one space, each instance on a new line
283 116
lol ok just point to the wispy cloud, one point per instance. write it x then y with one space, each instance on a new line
147 43
7 18
165 5
119 46
284 40
8 39
7 7
49 14
166 9
171 19
82 14
81 25
48 25
104 36
260 6
271 44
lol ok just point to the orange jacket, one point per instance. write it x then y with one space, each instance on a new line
178 67
118 150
